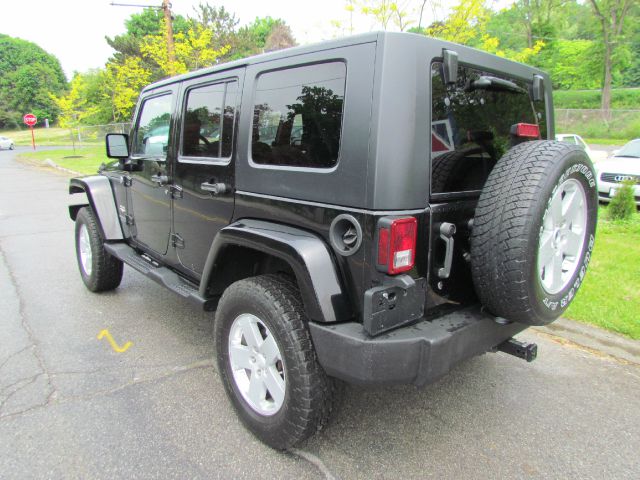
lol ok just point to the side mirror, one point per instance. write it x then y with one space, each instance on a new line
117 145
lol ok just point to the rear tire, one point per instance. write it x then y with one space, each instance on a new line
534 230
303 395
99 270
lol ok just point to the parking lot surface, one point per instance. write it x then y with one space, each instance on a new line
71 406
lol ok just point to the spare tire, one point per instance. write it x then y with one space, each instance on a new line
534 230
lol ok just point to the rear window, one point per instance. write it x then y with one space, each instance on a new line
207 130
471 125
297 116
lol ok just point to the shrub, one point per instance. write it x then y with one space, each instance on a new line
623 205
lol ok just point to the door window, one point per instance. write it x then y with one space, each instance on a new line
297 116
151 138
209 121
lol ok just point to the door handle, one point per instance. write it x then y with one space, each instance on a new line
160 179
447 230
218 188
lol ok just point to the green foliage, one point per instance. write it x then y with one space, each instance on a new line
610 294
621 125
209 37
623 205
572 63
28 75
124 81
253 38
624 98
86 102
192 51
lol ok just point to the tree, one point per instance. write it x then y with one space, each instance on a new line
192 50
252 39
123 84
279 38
380 10
85 102
536 16
222 24
28 75
611 14
467 24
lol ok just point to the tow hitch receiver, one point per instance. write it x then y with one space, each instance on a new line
526 351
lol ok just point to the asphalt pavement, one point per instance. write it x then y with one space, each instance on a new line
73 407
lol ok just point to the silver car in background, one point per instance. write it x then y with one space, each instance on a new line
575 139
6 143
623 165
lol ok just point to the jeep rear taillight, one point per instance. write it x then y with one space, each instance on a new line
525 130
396 244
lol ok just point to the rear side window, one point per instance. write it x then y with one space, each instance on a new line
209 120
471 125
297 116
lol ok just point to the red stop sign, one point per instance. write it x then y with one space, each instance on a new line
30 119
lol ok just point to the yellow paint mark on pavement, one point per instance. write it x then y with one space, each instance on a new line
112 342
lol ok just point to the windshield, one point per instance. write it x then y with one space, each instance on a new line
631 149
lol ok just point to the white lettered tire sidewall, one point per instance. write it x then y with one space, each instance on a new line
575 165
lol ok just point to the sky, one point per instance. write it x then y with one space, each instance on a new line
74 30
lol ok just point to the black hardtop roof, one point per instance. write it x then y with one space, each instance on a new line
265 57
328 45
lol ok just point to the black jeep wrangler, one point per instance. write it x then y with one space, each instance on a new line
374 210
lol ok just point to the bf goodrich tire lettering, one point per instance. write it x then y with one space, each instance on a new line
515 219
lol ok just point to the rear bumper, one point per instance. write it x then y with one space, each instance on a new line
418 354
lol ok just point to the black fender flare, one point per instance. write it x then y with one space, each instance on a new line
102 201
306 253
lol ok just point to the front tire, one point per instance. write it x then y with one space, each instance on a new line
267 361
99 270
534 230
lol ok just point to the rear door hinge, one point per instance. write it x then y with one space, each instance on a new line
177 241
128 219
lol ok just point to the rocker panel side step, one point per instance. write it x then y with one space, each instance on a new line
159 274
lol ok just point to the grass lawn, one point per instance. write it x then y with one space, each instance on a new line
47 137
610 294
84 160
605 141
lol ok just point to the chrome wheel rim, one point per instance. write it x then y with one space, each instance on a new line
564 228
84 246
256 364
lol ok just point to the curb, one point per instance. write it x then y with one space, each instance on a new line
594 339
50 163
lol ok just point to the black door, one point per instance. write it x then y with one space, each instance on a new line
150 149
204 171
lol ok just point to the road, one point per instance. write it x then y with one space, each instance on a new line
72 407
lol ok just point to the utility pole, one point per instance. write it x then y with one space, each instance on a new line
171 54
